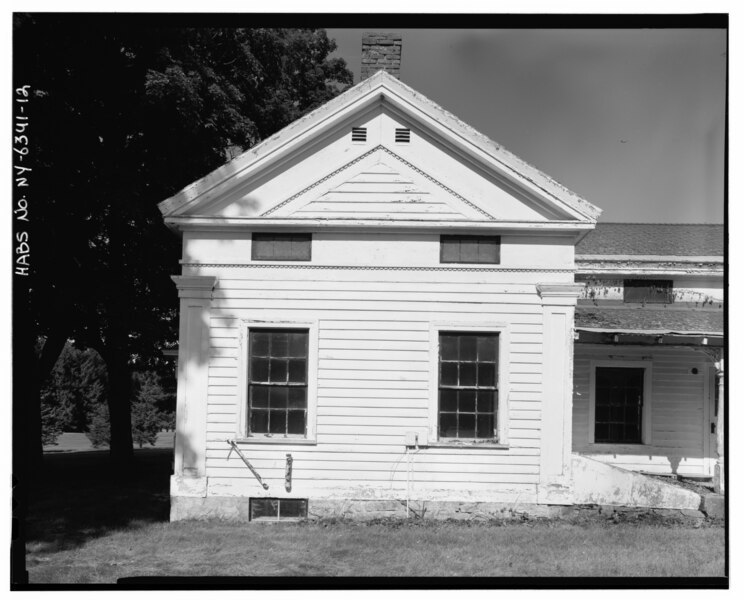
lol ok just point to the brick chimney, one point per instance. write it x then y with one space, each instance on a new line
381 51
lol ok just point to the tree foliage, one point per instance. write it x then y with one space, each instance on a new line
99 429
76 384
51 424
125 113
147 416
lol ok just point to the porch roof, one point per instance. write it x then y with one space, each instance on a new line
653 239
650 321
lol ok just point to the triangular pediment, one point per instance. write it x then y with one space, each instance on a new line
314 170
381 187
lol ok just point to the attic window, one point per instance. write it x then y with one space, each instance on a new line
649 291
358 134
281 246
402 135
470 249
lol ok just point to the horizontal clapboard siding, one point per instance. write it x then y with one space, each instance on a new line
373 374
387 195
679 428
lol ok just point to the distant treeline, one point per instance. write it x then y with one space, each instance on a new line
74 398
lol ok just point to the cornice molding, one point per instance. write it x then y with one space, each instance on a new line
379 268
244 224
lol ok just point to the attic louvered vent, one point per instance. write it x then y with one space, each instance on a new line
358 134
402 136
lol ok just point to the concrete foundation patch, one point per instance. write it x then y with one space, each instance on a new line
595 482
237 509
714 506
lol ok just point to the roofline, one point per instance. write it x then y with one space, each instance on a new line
278 223
647 258
653 332
419 107
636 272
660 223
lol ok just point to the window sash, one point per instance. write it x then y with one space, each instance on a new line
477 249
468 385
281 246
618 405
277 382
277 508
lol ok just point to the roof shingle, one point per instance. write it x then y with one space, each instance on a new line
653 239
650 319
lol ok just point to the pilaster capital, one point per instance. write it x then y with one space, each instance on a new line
561 294
195 286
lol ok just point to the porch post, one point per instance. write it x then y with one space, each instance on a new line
719 482
559 302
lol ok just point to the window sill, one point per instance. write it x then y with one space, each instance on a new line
610 448
276 441
469 264
468 445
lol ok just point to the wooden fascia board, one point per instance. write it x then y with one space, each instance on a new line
651 258
651 332
237 224
631 272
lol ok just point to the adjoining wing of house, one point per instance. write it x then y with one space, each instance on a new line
377 315
652 310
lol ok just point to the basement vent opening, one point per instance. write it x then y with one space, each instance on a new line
402 136
358 134
278 509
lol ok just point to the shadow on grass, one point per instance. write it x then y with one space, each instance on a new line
79 496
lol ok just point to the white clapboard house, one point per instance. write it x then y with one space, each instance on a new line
377 313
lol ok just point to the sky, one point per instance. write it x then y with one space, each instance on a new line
632 120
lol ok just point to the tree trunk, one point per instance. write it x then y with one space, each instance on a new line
43 364
28 387
120 386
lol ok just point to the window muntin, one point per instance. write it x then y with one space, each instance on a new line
649 291
277 382
281 246
618 405
277 509
468 385
484 249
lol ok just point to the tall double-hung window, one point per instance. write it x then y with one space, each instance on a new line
277 382
468 385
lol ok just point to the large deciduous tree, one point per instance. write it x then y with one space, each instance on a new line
126 111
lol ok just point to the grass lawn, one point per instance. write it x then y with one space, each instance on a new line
86 526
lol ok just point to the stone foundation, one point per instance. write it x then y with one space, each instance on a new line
236 509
